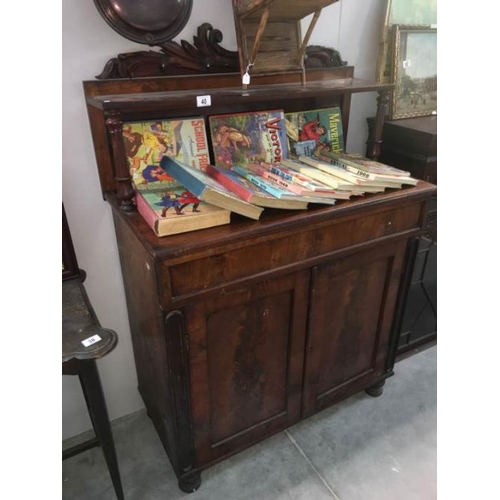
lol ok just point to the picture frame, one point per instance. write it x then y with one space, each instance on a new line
407 12
414 71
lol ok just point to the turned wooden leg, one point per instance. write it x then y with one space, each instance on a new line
123 178
190 483
376 390
375 133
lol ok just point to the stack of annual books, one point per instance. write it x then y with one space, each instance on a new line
166 204
249 149
352 173
261 160
363 171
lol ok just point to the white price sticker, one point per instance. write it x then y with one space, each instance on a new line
203 100
91 340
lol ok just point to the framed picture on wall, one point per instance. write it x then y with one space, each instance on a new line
414 71
407 12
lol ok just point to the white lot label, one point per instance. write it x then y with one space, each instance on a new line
203 100
91 340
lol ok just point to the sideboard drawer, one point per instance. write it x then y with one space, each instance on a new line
203 274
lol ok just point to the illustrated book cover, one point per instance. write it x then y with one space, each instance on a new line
247 190
315 130
208 189
146 143
174 210
240 138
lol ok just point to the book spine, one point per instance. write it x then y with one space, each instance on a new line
256 169
264 185
302 179
228 183
285 175
336 157
277 179
147 212
309 184
289 185
348 168
191 183
331 170
254 178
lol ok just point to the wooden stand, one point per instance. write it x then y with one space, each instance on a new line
269 34
79 322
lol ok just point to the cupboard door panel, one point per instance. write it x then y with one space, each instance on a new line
246 362
253 387
352 303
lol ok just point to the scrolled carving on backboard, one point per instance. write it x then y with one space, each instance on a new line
204 55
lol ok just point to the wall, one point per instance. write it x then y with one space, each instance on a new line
351 26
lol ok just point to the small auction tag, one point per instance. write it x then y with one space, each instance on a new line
91 340
203 100
246 79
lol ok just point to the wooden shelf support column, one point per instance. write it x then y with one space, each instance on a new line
123 179
305 41
375 139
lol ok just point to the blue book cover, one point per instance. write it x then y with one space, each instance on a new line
207 189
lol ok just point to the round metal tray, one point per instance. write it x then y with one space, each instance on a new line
149 22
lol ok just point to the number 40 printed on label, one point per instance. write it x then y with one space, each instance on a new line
203 100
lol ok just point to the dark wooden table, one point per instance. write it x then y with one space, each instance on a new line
411 145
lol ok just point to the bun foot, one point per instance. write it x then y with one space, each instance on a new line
376 390
189 484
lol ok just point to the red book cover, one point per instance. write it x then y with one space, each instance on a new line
246 190
237 184
176 210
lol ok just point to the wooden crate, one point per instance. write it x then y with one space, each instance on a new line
269 35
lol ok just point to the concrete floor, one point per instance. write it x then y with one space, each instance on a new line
361 449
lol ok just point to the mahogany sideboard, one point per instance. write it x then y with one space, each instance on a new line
240 331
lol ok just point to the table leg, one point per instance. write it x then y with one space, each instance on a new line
94 397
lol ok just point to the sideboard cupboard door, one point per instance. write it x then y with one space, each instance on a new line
246 350
352 304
